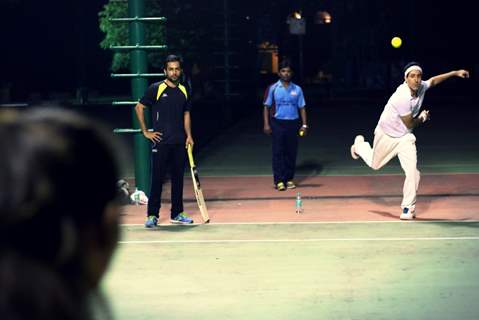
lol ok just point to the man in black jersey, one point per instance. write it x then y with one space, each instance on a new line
170 111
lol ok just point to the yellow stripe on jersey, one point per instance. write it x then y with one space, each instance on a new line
183 89
161 88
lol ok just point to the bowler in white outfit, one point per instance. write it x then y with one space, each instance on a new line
393 134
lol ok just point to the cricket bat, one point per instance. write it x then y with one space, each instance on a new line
197 186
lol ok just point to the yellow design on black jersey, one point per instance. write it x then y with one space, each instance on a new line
183 89
162 87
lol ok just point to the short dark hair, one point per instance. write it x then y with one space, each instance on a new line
173 58
46 192
410 64
286 63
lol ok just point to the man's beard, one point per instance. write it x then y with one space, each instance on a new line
174 80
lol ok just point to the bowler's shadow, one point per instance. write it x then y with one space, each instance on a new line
395 201
384 214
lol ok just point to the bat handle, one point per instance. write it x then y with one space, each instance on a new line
189 149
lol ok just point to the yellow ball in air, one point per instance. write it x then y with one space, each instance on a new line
396 42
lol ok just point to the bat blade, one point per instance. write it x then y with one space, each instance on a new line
197 187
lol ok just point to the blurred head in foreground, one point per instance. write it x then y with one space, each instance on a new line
59 220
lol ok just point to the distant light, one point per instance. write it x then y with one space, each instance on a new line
323 17
297 23
247 17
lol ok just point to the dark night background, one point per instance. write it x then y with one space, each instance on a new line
52 46
50 55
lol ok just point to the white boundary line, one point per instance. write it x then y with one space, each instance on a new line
294 240
306 222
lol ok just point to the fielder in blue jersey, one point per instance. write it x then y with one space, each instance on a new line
284 116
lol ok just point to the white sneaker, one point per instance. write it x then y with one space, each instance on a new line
407 214
359 139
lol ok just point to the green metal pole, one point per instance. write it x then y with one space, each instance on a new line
138 64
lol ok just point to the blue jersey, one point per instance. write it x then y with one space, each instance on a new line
284 102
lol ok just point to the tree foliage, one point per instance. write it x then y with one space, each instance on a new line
185 31
116 33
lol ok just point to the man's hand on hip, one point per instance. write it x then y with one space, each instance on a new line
154 136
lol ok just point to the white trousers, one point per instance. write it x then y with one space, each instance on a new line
384 149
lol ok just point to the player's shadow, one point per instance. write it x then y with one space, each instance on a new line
454 223
308 168
395 201
310 185
384 214
442 222
175 228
